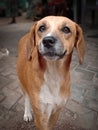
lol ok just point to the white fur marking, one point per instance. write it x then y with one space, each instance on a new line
49 95
27 113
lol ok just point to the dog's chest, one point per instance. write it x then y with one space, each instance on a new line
50 91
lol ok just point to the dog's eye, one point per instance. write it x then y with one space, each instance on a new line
66 30
42 28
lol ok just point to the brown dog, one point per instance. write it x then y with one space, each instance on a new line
43 67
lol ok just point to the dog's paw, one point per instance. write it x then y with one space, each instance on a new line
28 117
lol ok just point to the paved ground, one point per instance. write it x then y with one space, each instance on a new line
81 110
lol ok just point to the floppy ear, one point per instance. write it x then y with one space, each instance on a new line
80 46
31 42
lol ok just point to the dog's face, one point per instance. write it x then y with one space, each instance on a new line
56 36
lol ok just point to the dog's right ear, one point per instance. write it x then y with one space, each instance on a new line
31 42
80 46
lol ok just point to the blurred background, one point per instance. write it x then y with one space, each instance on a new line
84 12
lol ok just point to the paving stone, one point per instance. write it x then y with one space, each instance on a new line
92 93
78 78
1 68
83 66
92 61
2 62
97 121
96 75
21 101
2 96
13 85
9 119
3 81
13 77
11 98
85 117
17 107
67 115
19 90
8 65
91 53
73 65
86 75
8 71
75 58
76 107
87 120
77 93
95 81
75 76
91 103
84 84
91 68
96 87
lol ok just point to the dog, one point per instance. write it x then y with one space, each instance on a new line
43 67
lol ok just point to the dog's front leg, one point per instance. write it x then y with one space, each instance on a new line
53 118
43 122
40 119
27 111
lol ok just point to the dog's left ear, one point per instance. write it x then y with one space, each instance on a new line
80 46
31 42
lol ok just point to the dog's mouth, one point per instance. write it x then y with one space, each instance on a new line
53 54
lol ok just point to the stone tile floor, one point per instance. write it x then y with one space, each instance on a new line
81 110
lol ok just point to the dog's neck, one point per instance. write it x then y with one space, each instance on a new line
60 65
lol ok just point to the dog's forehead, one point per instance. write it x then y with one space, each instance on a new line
56 21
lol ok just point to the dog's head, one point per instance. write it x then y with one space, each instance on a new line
55 37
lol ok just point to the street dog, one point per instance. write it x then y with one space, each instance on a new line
43 66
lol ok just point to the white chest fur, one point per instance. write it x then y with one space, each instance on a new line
49 95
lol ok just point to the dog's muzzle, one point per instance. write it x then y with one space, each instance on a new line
51 48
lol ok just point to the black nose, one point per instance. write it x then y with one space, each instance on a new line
49 41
